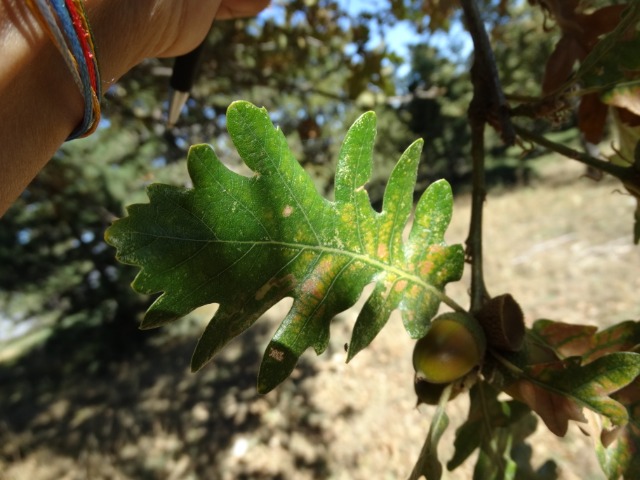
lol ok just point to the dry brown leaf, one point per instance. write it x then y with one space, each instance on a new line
592 116
555 410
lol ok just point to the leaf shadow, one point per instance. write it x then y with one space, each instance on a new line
138 408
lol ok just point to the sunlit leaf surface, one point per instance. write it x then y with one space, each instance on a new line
248 242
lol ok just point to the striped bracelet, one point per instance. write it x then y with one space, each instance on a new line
65 21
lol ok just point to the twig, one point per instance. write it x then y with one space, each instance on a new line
486 82
487 106
479 292
626 174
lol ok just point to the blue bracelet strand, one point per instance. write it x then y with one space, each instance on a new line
57 19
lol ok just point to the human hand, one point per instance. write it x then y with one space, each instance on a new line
184 33
128 32
39 102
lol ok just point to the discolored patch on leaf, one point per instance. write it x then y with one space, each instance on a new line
618 448
554 409
563 368
558 390
247 243
585 341
567 339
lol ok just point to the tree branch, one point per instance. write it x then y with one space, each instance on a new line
487 106
479 292
625 174
487 82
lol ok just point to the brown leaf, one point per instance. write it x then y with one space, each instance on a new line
587 29
629 114
622 337
555 410
600 22
610 435
580 33
568 340
592 115
560 64
629 396
583 340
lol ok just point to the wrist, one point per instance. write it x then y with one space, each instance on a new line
119 36
41 103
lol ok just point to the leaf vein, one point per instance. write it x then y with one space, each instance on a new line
249 210
289 189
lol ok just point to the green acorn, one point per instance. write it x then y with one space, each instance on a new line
453 346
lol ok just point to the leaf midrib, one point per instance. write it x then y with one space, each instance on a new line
367 259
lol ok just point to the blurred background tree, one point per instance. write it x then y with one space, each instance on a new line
315 65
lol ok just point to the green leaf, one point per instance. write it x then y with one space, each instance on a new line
621 459
613 58
587 385
585 341
247 243
618 455
428 464
488 416
616 75
485 468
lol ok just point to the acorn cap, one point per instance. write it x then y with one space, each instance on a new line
503 323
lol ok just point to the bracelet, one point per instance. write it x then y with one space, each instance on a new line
65 22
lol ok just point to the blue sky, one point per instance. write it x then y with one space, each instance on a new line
399 37
455 44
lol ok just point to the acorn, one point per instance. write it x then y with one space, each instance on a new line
503 323
453 346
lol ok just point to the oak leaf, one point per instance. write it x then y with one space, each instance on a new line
247 243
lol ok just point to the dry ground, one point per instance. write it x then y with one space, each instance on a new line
562 248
